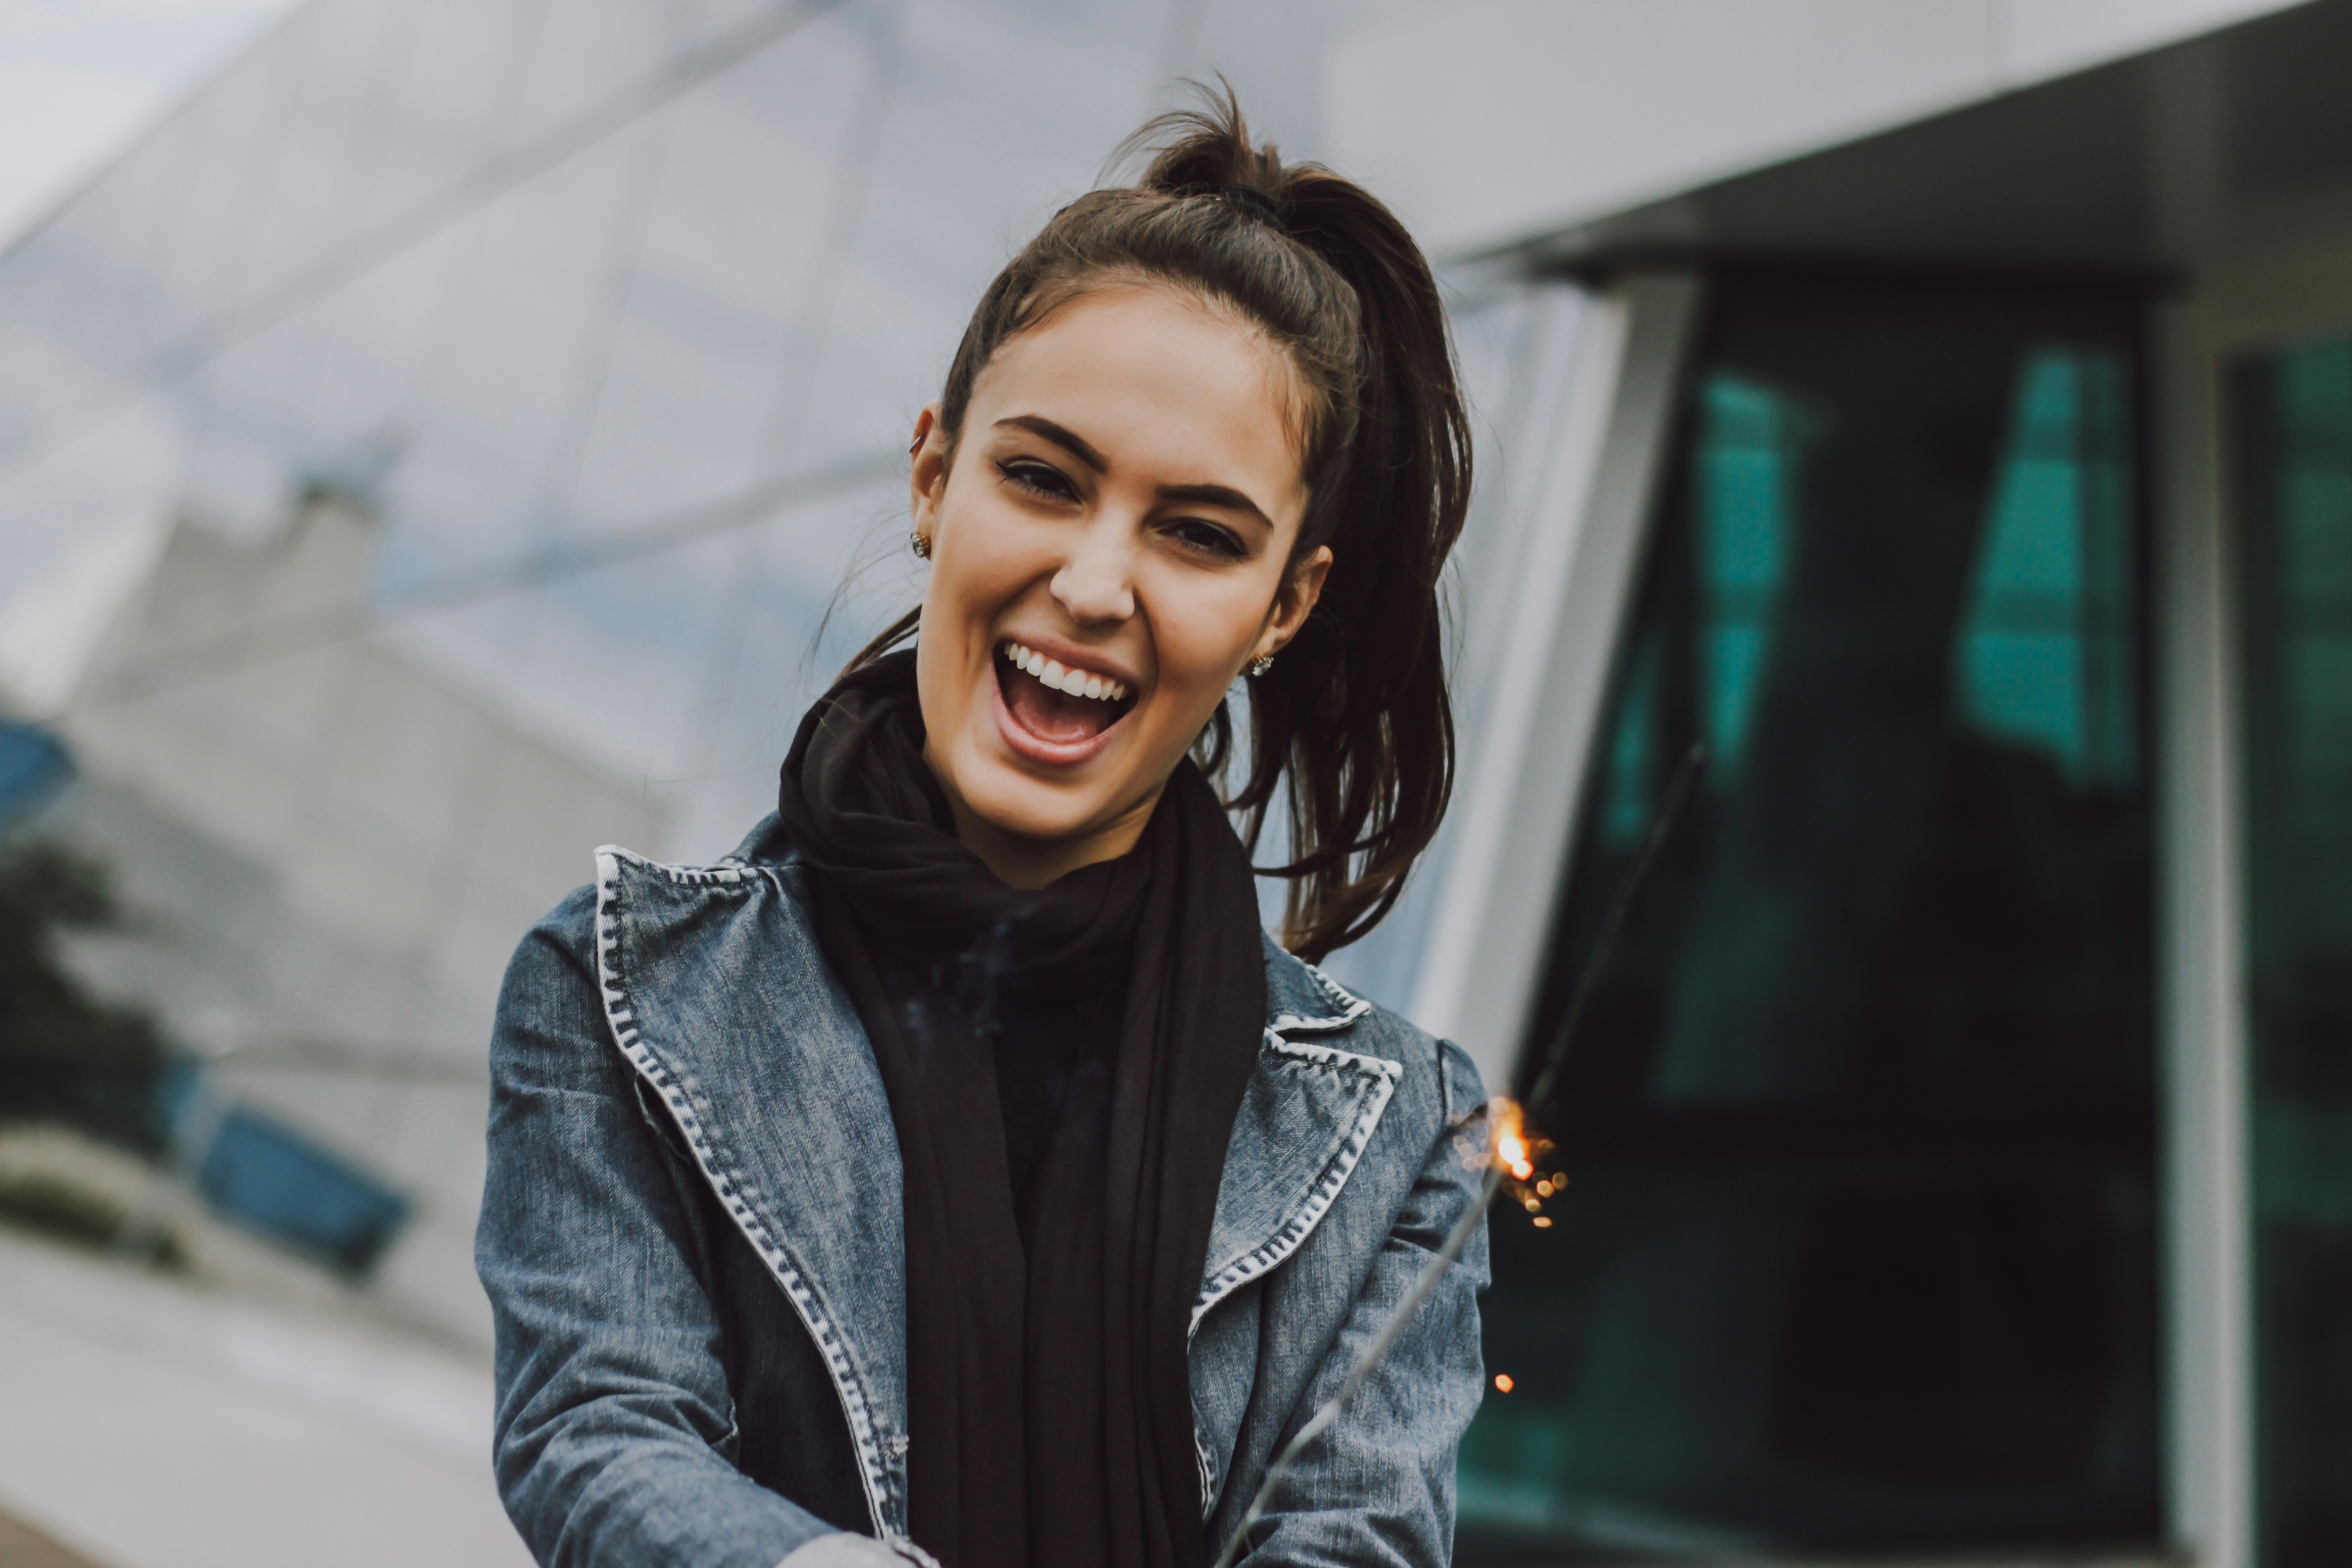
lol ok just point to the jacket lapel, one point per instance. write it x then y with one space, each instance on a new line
1306 1117
716 996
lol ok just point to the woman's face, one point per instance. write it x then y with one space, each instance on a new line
1110 547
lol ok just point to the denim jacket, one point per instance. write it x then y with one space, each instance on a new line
690 1238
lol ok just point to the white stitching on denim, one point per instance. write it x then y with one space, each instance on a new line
1295 1231
619 1016
723 873
1351 1006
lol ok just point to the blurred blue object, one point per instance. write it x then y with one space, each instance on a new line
33 763
270 1177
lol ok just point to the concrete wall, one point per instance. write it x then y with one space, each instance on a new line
1488 123
325 850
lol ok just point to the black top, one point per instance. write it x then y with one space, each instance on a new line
1041 1039
1055 1229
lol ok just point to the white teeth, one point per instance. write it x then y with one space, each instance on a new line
1050 672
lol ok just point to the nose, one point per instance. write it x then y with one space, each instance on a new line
1096 583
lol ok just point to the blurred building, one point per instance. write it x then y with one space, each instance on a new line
326 844
435 449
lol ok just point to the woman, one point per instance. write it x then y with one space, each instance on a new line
956 1171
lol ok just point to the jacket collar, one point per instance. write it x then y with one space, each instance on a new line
1306 1116
717 993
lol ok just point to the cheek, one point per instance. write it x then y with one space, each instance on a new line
986 560
1201 636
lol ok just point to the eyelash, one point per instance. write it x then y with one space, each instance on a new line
1018 474
1218 542
1194 532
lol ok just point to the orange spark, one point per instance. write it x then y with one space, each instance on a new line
1516 1150
1502 1383
1511 1150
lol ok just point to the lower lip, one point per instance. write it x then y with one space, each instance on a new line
1036 748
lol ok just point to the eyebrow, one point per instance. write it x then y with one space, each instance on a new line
1070 441
1215 495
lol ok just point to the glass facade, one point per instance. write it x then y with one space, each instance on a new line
469 431
1858 1244
615 312
2293 446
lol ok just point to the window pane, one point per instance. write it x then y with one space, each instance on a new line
1857 1245
2296 424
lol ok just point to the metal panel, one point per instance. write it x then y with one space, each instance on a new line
2201 1015
1552 662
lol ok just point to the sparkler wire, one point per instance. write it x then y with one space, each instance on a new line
1604 947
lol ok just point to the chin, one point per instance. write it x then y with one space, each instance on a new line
1023 808
1047 766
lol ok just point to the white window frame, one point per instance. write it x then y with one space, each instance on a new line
1597 456
2234 312
1527 769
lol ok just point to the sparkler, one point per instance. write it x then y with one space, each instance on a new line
1511 1154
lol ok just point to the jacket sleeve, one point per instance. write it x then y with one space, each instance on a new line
1375 1489
613 1408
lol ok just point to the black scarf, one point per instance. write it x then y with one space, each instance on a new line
1049 1405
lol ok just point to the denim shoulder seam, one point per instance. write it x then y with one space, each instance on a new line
727 872
620 1016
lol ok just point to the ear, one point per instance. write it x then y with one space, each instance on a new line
1294 601
927 469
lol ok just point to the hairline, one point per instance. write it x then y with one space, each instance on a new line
1294 398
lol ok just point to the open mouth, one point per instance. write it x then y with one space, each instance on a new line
1058 706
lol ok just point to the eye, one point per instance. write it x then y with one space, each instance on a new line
1198 533
1037 479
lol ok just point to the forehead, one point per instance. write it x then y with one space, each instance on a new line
1154 371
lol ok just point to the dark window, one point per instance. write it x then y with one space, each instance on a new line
2294 429
260 1171
1857 1249
33 764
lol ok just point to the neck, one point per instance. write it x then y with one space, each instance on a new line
1020 861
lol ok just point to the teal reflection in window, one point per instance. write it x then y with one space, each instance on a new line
1630 786
1744 462
2042 655
1857 1250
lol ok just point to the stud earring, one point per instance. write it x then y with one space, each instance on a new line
1261 664
919 545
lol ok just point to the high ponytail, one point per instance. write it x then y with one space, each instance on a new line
1352 725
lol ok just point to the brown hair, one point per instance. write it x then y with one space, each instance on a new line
1353 720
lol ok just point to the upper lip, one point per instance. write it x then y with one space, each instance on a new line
1070 657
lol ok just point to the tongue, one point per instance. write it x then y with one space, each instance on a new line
1051 715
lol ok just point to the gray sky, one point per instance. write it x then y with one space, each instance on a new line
80 79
